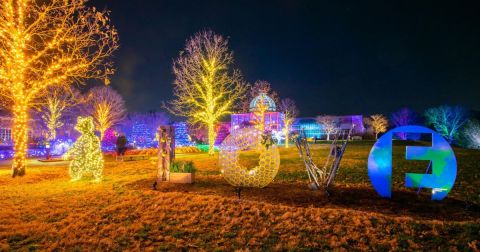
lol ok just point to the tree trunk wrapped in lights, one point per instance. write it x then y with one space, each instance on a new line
44 44
206 88
20 136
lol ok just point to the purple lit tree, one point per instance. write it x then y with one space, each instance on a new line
447 120
403 117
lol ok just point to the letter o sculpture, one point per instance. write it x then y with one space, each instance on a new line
238 175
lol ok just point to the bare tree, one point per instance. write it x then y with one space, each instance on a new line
51 43
290 112
447 120
329 124
206 86
106 106
378 123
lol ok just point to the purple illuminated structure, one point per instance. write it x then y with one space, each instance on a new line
273 121
223 130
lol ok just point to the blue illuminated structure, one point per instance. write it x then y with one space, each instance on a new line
309 125
142 135
181 134
313 129
441 155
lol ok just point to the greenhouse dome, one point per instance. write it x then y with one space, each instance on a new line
264 99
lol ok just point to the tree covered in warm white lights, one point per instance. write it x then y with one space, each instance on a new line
44 44
446 120
206 86
55 105
106 106
378 123
86 153
289 109
329 124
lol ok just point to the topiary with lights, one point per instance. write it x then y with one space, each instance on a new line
86 152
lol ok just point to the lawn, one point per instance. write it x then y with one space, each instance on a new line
45 211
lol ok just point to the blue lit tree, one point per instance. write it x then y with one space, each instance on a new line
447 120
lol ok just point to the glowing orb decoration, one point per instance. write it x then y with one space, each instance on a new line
86 151
238 175
443 163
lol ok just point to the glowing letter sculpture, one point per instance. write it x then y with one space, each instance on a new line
443 163
237 175
86 151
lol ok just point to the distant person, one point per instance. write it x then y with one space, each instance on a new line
121 146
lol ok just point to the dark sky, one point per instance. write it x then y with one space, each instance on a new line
332 57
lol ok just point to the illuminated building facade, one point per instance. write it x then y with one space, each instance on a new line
6 121
313 129
272 120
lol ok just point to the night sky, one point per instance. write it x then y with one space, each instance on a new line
335 57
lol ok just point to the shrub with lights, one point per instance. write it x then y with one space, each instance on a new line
86 152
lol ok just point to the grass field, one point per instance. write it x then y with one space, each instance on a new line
44 211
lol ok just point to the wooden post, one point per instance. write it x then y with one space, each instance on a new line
166 152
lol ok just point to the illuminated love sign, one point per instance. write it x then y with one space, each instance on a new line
443 163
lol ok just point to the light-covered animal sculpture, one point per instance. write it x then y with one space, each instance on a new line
86 153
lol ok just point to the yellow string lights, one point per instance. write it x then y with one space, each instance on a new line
206 87
86 152
47 44
106 106
240 176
